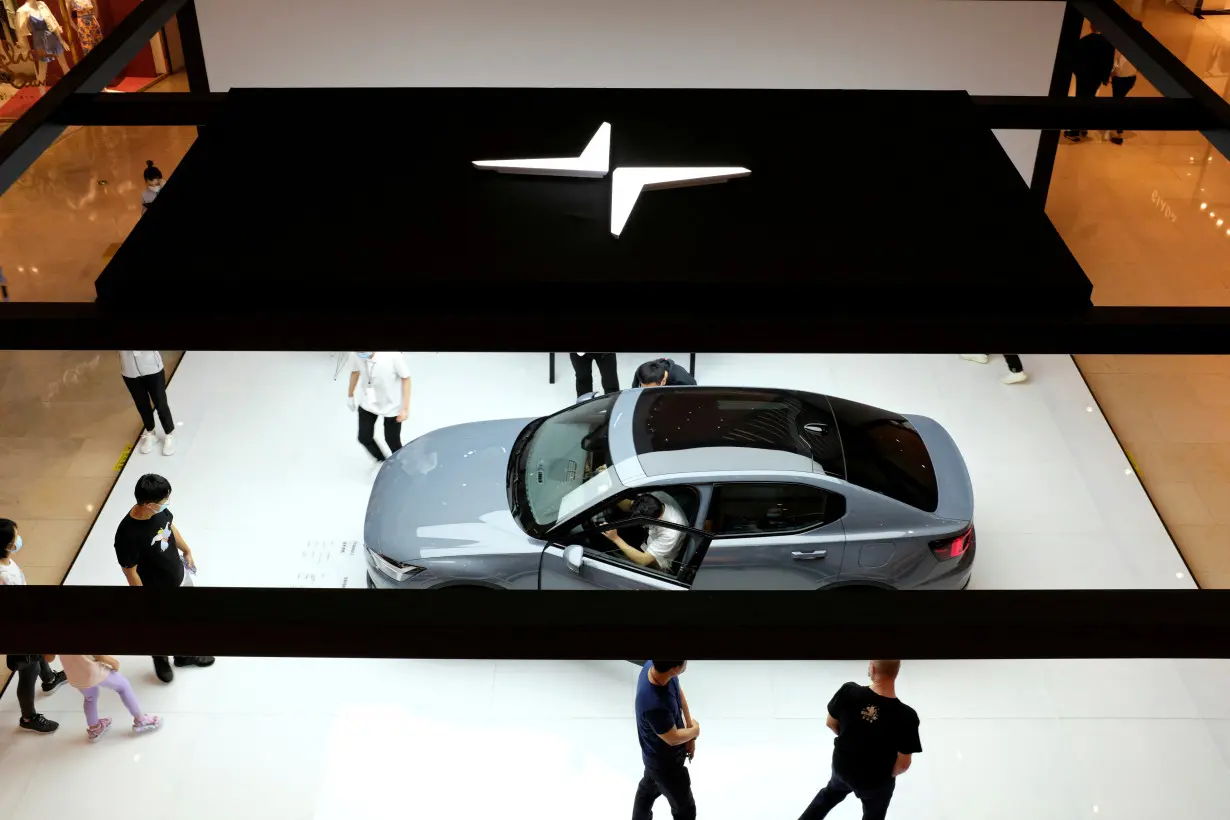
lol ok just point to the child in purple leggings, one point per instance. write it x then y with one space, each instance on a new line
89 673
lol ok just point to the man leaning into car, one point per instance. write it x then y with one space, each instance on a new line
662 543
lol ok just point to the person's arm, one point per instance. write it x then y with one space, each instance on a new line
638 557
687 713
354 382
182 546
679 737
405 400
902 764
832 723
130 573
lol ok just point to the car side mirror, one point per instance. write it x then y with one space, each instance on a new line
574 557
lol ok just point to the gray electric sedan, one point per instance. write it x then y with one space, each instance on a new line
774 489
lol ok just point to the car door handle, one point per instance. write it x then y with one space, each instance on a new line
809 556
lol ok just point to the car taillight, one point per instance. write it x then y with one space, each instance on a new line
953 547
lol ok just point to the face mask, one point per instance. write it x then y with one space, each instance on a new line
161 507
365 355
16 546
155 188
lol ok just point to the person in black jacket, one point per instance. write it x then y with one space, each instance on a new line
662 373
1095 59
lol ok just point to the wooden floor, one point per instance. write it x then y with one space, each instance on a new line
1131 214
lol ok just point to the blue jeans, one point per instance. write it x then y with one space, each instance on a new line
875 800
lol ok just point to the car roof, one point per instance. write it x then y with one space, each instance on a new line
729 429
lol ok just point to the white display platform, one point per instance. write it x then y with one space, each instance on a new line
271 487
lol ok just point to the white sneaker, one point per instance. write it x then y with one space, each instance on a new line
1015 378
146 444
979 358
168 444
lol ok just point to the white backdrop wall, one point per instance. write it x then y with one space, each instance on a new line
983 47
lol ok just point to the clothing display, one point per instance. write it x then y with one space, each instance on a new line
85 21
39 24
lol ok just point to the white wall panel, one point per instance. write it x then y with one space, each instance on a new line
982 47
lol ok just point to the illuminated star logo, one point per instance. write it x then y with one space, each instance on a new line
626 183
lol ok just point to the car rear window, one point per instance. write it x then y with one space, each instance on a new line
885 454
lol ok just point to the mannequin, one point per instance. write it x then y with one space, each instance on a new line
85 21
37 25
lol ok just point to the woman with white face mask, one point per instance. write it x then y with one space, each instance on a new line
153 185
27 667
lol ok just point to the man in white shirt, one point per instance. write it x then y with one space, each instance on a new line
147 382
663 543
383 384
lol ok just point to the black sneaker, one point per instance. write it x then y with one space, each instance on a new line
55 683
162 668
38 724
195 660
1117 140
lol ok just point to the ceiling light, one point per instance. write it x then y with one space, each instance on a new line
1203 205
1127 470
1220 222
1089 409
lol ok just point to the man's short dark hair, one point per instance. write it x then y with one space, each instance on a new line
152 488
662 667
647 506
651 372
8 531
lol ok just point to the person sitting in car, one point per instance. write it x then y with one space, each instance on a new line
662 373
661 543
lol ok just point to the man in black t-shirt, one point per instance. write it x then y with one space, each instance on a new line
877 736
152 553
662 373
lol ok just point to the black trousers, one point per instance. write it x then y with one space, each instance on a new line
675 784
583 367
27 674
152 390
1085 87
875 801
1120 86
367 433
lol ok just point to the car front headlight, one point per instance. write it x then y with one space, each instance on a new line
394 570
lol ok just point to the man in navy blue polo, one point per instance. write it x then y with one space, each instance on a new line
668 740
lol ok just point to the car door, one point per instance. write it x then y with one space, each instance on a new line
576 566
773 535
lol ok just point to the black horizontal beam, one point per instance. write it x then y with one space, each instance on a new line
1164 70
1028 113
614 625
34 132
147 108
1058 113
426 322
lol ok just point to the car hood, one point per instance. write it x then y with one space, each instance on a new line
443 495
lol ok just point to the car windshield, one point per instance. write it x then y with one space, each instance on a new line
564 466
